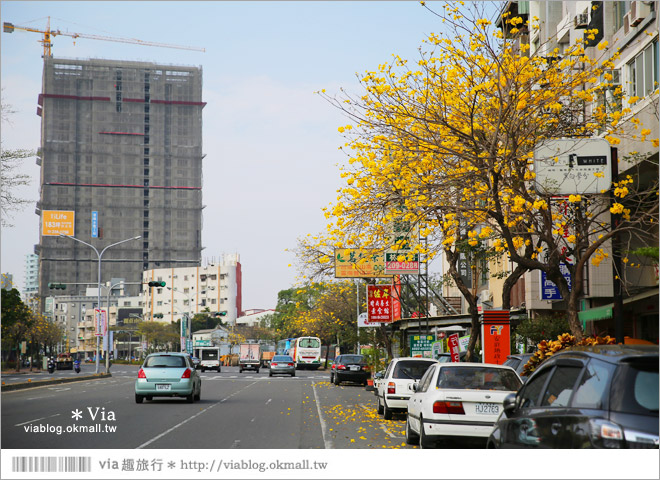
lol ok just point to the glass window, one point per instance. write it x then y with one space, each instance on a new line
560 387
410 369
591 391
530 395
635 388
348 359
309 343
165 361
478 378
643 71
426 380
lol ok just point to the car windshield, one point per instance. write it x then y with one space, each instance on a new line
282 358
165 361
478 378
348 359
411 369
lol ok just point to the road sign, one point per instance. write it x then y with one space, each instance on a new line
573 166
401 240
95 224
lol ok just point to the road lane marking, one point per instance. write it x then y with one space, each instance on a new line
38 398
169 430
327 442
384 428
268 401
235 444
35 420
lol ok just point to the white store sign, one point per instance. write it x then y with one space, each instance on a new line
573 166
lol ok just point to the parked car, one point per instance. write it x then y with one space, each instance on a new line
517 361
603 396
395 388
168 375
282 365
349 368
458 400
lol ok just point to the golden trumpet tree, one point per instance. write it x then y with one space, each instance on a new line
447 143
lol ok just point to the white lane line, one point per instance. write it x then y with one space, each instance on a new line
149 442
38 398
268 401
35 420
387 431
235 444
328 443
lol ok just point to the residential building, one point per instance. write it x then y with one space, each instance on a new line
253 318
121 151
6 281
215 287
31 281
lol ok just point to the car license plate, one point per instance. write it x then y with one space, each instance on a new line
488 408
162 386
355 368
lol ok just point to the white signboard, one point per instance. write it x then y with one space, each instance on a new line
573 166
363 321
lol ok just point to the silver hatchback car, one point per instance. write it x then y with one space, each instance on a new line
168 375
282 365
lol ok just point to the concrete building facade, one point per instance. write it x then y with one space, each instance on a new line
121 148
215 287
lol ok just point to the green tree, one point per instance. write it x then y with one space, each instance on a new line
17 321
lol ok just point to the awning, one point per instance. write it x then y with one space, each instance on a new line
598 313
604 312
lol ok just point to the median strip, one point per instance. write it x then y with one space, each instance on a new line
52 381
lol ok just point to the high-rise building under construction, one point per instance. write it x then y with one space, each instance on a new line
121 156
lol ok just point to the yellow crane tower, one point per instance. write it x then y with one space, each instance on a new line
48 34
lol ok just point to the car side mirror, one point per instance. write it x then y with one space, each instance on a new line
379 375
414 387
509 404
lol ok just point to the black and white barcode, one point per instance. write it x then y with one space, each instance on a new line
51 464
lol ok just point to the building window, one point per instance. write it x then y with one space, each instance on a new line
643 72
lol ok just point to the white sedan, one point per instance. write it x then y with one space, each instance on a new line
458 400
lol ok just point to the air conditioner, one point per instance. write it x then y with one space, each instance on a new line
638 12
626 24
581 20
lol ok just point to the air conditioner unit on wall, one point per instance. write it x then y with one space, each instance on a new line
638 12
581 20
626 24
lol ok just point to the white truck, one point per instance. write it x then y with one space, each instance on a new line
209 358
249 357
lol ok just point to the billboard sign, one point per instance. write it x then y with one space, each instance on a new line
496 336
56 222
454 350
401 240
379 303
549 290
356 263
573 166
95 224
100 322
421 345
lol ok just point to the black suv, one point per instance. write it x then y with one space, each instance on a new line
603 396
517 361
351 368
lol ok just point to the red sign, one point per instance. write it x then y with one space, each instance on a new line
496 336
379 303
452 342
396 302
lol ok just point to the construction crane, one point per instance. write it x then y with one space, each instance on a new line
48 34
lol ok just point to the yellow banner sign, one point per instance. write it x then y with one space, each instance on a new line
356 263
56 222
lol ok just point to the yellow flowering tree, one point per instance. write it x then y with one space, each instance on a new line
447 144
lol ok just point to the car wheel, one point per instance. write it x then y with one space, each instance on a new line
332 378
293 374
337 381
379 409
424 440
190 398
411 437
270 374
387 412
203 370
218 369
240 370
138 398
198 397
257 370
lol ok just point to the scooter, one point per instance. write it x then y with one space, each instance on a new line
76 366
51 366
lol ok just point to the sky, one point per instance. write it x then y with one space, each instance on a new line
271 143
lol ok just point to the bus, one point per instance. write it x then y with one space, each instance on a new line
305 351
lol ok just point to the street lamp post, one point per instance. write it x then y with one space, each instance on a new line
99 255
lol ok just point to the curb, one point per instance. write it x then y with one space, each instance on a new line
41 383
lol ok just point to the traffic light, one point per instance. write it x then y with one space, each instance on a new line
157 284
57 286
158 315
221 314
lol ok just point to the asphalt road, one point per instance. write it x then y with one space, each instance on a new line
237 411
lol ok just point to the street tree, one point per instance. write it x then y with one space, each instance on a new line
448 145
17 322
